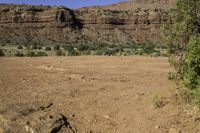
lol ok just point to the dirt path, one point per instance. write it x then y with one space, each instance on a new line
90 95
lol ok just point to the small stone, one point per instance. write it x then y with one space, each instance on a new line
26 128
157 127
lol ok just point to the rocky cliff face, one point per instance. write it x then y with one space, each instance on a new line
113 25
46 23
61 24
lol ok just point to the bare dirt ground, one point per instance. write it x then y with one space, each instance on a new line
90 94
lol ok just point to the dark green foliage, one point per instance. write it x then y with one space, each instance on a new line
68 47
73 53
185 26
183 38
2 53
34 46
41 53
148 48
83 47
31 54
191 64
60 53
97 46
36 54
19 54
19 47
56 47
48 48
37 45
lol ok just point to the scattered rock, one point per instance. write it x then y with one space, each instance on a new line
60 123
157 127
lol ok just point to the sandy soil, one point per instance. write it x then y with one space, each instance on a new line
90 94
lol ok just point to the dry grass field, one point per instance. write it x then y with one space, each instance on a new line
91 94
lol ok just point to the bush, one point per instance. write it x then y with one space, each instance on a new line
19 47
191 68
41 53
68 47
48 48
34 46
82 47
2 53
36 54
19 54
148 48
39 47
56 47
73 53
97 46
60 53
191 65
31 54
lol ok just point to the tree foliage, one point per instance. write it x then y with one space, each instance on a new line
183 38
186 25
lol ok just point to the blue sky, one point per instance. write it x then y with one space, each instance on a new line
67 3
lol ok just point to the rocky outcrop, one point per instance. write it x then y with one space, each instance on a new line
46 23
138 25
60 24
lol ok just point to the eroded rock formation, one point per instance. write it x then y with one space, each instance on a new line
61 24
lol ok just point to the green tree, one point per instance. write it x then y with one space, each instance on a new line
183 38
191 68
186 25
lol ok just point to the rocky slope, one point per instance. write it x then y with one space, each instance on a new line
102 24
142 4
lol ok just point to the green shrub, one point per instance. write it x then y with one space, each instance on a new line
48 48
36 54
39 47
34 46
41 53
140 52
19 54
120 47
191 65
60 53
2 53
56 47
148 48
97 46
83 47
73 53
19 47
68 47
31 53
85 52
191 68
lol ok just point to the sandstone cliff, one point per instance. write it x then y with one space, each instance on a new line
46 23
105 24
